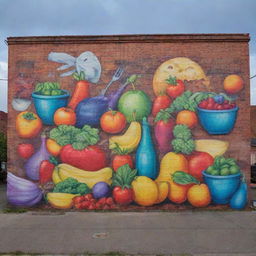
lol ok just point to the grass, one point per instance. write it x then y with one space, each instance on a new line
14 210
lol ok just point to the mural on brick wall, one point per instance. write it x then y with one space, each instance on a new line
125 149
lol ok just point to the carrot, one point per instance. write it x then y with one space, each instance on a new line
82 90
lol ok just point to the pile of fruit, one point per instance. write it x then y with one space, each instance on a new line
216 103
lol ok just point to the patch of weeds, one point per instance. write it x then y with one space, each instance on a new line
19 253
14 210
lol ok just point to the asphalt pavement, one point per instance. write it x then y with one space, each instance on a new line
149 233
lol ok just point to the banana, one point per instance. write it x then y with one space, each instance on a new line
129 140
55 176
86 174
60 200
89 178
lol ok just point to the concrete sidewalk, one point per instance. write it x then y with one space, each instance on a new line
193 233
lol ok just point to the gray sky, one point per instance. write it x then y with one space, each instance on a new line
98 17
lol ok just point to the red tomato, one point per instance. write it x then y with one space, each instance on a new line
175 88
106 207
78 199
91 158
88 197
98 206
112 122
109 201
123 196
120 160
25 150
92 206
78 206
160 102
102 200
85 204
198 162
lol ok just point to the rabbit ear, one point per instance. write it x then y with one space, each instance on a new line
69 73
90 65
62 57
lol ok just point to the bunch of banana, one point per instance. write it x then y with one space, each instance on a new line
60 200
129 140
64 171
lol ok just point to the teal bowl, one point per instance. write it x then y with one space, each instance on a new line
46 106
217 121
222 187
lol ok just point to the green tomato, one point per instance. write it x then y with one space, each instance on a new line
234 169
224 172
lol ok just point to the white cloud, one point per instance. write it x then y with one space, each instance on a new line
3 70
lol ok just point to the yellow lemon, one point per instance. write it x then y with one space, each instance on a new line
145 191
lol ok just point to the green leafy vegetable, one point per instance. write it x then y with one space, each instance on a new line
183 141
124 177
186 101
79 138
48 89
79 76
184 178
72 186
29 116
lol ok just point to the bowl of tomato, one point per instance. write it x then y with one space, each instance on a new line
217 118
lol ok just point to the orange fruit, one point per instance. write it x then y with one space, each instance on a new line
53 147
64 116
233 84
187 117
199 195
178 193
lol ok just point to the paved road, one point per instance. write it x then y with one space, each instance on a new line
197 233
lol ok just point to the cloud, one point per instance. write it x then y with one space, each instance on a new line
3 70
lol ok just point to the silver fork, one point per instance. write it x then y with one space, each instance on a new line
115 77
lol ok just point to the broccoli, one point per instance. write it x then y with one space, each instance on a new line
72 186
181 131
183 141
183 146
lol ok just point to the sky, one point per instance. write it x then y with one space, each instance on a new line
105 17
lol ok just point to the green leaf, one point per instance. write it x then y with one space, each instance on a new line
171 80
184 178
29 116
124 176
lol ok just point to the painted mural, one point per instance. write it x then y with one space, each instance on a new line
124 149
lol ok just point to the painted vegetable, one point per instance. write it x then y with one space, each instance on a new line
129 140
170 163
175 87
163 132
22 192
213 147
25 150
28 125
101 189
134 104
33 163
64 116
183 141
82 90
48 89
114 97
53 147
90 110
239 199
60 200
72 186
64 171
112 122
46 169
146 159
121 158
198 162
79 147
160 102
123 193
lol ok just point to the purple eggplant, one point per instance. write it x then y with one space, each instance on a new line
90 110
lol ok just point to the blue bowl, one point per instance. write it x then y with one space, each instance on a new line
47 105
217 121
222 187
